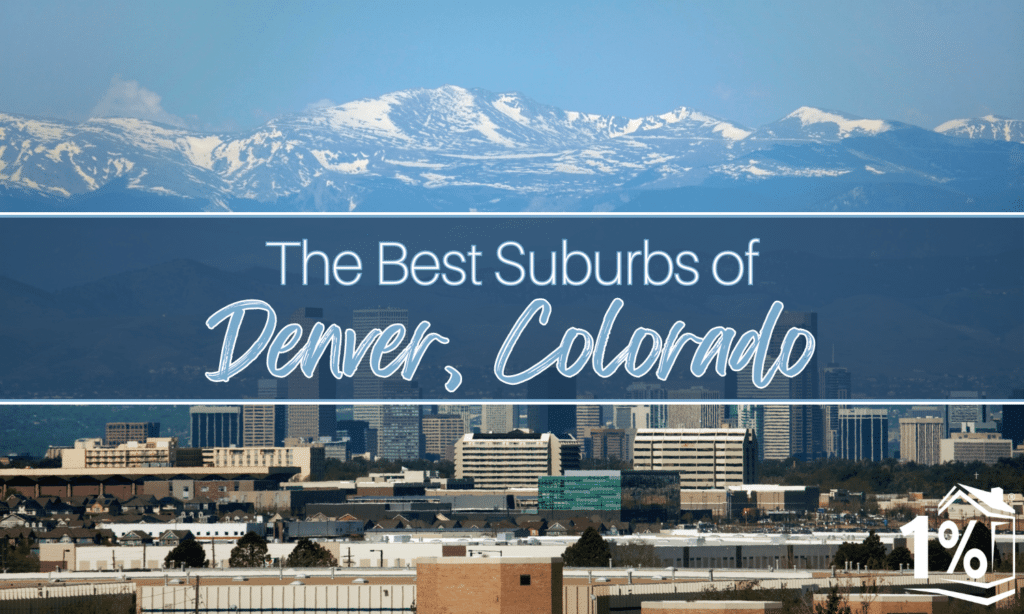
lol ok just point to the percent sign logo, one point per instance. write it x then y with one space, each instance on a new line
975 561
949 535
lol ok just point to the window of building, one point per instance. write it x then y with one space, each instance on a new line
524 580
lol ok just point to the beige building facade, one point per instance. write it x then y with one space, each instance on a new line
92 454
704 458
513 460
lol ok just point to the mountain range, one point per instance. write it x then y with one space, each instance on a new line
457 149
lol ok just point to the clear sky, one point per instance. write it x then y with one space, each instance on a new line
233 65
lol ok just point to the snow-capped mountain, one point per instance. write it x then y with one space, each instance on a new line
455 149
808 124
988 127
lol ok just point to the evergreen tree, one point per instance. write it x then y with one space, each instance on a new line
873 552
591 550
900 556
309 554
250 551
188 553
938 558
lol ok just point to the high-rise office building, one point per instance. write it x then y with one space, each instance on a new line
557 419
985 448
704 458
588 417
357 432
919 440
607 444
835 384
514 460
863 433
366 385
310 422
771 422
258 422
1013 419
215 426
778 431
751 418
123 432
958 414
268 389
651 393
495 418
471 414
807 422
440 432
705 415
401 434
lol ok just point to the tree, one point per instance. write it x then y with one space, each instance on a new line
873 552
309 554
899 558
250 551
591 550
635 553
18 558
188 553
870 553
834 604
938 558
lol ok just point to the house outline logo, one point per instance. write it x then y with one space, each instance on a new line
990 503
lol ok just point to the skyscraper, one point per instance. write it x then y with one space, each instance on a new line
959 414
314 420
708 415
751 417
863 433
440 432
772 423
588 417
1013 419
366 385
650 392
919 440
495 419
835 384
215 426
258 425
401 434
807 433
557 419
266 390
357 432
123 432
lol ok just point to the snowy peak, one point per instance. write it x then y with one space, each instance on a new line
811 124
988 127
506 145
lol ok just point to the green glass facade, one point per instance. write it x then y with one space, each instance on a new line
591 492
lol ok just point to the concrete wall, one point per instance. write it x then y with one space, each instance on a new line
108 597
258 597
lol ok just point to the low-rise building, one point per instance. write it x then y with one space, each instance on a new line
986 448
309 459
629 496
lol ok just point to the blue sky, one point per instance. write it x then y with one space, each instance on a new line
233 65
